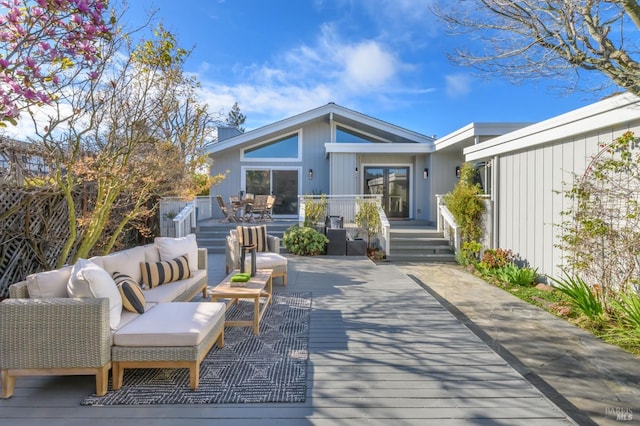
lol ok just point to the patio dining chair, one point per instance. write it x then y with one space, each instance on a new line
258 207
268 210
229 214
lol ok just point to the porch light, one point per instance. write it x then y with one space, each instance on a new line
310 174
425 173
356 170
458 172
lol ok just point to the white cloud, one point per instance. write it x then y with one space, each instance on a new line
368 65
310 75
457 85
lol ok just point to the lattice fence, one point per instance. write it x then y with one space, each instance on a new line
33 230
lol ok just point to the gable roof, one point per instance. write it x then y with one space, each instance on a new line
330 111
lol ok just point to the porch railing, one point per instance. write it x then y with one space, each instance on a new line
446 224
346 206
178 216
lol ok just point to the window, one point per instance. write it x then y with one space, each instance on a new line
285 148
349 136
283 183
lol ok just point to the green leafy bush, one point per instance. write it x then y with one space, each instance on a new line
469 253
581 295
315 210
465 205
304 241
629 305
513 274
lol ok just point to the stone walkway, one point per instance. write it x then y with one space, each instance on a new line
592 381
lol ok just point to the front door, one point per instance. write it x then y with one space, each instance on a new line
393 184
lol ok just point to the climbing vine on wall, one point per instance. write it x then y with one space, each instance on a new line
601 229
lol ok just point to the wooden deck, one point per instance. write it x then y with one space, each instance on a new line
382 351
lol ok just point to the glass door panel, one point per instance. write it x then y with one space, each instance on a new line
397 192
285 188
258 182
393 184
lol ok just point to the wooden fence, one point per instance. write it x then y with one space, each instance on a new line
33 229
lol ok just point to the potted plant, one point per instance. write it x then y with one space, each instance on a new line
368 219
315 211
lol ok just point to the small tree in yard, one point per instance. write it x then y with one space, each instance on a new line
368 219
134 135
465 205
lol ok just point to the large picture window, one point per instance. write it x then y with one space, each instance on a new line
281 149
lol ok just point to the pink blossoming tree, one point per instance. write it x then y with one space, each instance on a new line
46 45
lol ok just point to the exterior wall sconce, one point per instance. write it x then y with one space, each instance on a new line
356 170
425 173
310 174
458 172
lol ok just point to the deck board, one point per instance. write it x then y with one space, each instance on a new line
382 350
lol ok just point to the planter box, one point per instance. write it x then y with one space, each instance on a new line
337 242
356 248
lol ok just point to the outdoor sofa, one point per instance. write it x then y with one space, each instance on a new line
77 320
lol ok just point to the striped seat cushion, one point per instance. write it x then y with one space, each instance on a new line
158 273
249 235
131 293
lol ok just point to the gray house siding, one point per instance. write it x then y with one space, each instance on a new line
442 176
343 169
529 183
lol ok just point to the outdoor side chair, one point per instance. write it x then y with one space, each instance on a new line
229 214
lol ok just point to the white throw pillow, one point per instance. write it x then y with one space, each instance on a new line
90 280
170 248
49 283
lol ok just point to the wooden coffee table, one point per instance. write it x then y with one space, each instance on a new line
257 288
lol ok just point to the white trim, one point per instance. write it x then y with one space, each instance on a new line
284 136
604 114
379 148
410 179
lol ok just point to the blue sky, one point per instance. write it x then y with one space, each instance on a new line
384 58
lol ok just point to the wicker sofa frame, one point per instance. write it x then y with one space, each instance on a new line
66 336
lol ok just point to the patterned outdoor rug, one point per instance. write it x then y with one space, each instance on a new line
269 367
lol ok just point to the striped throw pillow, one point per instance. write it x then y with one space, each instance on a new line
158 273
131 293
248 235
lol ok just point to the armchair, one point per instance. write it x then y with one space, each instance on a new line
267 255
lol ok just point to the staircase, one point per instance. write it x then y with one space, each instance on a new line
211 235
416 242
411 241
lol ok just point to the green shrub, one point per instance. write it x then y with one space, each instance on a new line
629 305
304 241
581 296
469 253
465 204
513 274
315 210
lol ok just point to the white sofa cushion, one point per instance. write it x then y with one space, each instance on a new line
125 261
89 280
266 260
127 316
170 291
170 248
49 283
171 324
151 253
